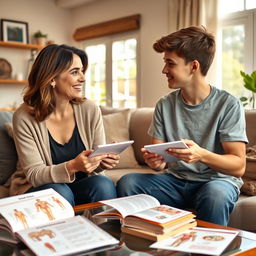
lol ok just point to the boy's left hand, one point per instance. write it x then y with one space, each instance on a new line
191 155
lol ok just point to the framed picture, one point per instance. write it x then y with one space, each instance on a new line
14 31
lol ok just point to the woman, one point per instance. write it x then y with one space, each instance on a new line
56 128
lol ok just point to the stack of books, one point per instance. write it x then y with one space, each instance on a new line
143 216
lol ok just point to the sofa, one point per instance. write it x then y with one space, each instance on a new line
132 124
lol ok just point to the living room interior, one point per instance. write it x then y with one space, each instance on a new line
60 19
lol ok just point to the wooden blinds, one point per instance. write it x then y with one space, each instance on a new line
108 28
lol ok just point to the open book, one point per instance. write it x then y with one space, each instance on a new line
199 240
46 223
142 215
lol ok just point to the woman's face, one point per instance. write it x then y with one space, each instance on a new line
68 85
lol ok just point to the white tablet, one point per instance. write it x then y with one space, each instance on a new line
161 148
113 148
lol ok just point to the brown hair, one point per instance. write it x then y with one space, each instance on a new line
192 43
50 62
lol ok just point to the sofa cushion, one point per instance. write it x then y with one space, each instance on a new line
140 121
243 215
8 155
116 128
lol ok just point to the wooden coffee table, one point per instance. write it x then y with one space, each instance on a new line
241 246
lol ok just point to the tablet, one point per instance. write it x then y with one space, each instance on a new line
113 148
161 148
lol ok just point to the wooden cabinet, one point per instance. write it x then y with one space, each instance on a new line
22 47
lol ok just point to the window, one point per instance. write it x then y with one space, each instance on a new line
111 78
237 37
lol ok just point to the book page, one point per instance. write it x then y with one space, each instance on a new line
130 204
34 209
161 214
76 234
199 240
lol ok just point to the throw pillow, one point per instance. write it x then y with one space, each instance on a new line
250 170
116 128
249 187
8 154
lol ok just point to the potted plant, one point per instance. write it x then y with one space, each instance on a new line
40 38
250 84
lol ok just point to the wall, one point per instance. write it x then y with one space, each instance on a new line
40 14
154 24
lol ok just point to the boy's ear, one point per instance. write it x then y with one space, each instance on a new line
195 66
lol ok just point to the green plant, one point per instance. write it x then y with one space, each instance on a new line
39 34
250 84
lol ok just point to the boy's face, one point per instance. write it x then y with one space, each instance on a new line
178 73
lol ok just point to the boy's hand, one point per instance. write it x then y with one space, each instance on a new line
154 161
191 155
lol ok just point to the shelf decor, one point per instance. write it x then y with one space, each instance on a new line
14 31
5 69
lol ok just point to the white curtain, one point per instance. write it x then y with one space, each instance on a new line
185 13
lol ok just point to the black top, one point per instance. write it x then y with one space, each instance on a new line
63 153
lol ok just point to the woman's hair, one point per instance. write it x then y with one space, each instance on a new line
50 62
192 43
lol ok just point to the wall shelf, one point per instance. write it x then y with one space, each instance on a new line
12 81
21 45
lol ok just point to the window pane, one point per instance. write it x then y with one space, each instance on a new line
233 59
250 4
124 71
95 88
229 6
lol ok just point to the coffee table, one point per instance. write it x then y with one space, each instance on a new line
131 245
240 246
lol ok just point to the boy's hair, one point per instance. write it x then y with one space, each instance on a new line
192 43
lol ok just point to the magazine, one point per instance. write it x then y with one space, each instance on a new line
199 240
46 223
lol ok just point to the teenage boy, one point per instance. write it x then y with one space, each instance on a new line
210 121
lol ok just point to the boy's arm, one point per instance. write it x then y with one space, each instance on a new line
231 163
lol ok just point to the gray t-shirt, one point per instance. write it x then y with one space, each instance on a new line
219 117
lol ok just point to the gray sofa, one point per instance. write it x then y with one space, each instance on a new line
127 124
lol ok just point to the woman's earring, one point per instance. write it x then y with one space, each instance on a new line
53 84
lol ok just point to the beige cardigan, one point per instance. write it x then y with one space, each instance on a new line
33 148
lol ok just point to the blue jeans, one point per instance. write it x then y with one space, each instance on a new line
213 201
84 190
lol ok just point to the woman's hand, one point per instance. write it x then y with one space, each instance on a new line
84 163
154 161
110 161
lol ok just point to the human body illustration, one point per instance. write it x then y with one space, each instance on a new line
45 208
58 201
191 236
21 217
37 235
